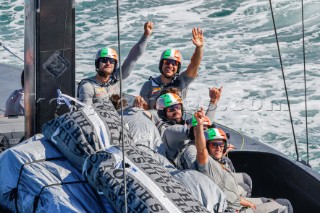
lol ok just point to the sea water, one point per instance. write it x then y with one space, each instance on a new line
240 54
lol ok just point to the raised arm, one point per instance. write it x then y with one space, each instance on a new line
202 152
198 41
214 94
137 50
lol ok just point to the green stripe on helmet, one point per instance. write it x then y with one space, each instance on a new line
167 100
104 52
210 134
167 54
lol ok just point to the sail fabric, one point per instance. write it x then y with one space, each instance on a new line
143 130
202 187
36 177
150 187
81 133
158 190
207 192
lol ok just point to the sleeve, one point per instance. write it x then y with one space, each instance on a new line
173 138
185 80
145 91
174 133
211 111
134 54
184 83
211 171
86 93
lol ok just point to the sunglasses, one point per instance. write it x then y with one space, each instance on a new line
106 59
216 144
170 61
173 108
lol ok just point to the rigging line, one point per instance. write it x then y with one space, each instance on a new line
121 113
284 82
6 48
305 82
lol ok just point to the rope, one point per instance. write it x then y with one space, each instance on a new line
284 82
121 113
305 83
6 48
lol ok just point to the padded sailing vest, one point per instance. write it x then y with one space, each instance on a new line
157 88
103 90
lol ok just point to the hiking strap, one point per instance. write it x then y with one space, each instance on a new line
14 191
37 197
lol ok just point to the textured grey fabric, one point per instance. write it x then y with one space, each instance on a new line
143 130
81 133
202 187
34 157
150 187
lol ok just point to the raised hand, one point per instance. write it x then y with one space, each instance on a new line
197 37
199 115
148 28
229 148
140 102
215 94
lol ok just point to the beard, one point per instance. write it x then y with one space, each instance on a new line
101 73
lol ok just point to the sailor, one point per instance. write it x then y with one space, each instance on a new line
169 66
172 126
209 144
106 81
147 138
15 102
243 179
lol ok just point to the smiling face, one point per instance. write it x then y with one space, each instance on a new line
216 148
169 68
174 113
106 66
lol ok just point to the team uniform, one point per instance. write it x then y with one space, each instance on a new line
89 89
221 174
152 89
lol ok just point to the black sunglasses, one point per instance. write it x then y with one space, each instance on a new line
173 108
171 61
106 59
216 144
